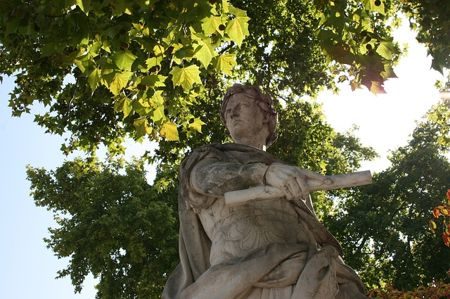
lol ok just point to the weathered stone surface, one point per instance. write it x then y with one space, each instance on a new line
258 246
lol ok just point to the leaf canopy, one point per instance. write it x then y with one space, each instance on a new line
182 49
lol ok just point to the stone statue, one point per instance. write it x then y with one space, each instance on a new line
247 224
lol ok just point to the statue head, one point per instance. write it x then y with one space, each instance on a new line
262 101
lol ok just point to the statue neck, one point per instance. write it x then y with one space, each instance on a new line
253 142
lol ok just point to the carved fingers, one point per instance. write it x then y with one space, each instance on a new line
291 180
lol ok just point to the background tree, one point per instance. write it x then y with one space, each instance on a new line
431 19
111 223
384 226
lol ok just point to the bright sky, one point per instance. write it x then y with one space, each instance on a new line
385 121
28 268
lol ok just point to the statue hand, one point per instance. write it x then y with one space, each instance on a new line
291 180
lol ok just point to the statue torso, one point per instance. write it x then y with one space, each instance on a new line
237 231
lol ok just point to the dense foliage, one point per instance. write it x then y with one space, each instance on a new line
111 68
112 224
432 19
384 227
435 291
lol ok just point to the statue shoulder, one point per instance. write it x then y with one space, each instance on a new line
199 153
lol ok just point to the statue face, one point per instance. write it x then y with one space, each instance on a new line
244 119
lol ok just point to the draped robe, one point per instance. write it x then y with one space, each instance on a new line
261 250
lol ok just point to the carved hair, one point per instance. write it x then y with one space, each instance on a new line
264 102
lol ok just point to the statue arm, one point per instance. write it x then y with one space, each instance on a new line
213 178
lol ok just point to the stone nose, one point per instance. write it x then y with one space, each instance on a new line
235 111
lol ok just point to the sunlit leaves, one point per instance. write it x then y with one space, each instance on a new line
225 63
119 48
212 25
153 80
84 5
158 114
186 77
375 5
197 124
124 60
119 81
153 63
386 50
204 51
376 87
432 225
237 29
123 105
355 37
142 127
169 131
94 78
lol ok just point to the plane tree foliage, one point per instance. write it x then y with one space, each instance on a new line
384 226
432 21
113 68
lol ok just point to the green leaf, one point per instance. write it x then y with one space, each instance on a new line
127 107
153 62
158 114
386 49
237 12
186 77
169 131
142 106
80 64
94 49
121 7
154 80
124 60
197 125
237 29
158 50
432 225
84 5
204 52
123 104
225 6
119 82
388 72
375 6
142 127
94 79
157 100
225 63
211 25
